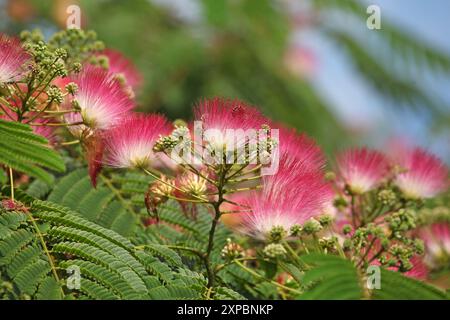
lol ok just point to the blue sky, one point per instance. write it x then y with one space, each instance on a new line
357 104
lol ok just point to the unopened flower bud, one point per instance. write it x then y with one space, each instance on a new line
387 197
71 88
347 245
330 176
55 94
274 250
232 251
325 220
277 234
296 230
76 67
347 229
312 226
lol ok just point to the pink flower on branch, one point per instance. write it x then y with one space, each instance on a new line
437 242
100 98
119 65
288 198
222 114
362 169
422 175
130 143
300 150
13 59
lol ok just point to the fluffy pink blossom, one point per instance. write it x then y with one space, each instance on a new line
290 197
362 169
437 242
224 114
228 127
129 144
299 149
220 117
423 175
120 65
101 99
13 59
419 270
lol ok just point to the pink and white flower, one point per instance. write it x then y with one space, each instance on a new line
423 176
437 242
101 99
299 150
290 197
130 143
419 270
219 117
13 59
362 169
222 114
120 65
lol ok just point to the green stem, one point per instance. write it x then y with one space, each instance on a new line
69 143
192 250
55 124
40 112
254 273
47 252
216 205
117 194
294 255
11 179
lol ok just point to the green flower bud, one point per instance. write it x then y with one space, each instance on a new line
387 197
232 251
311 226
325 220
76 67
274 250
347 229
61 53
277 234
54 94
339 202
347 245
330 176
71 88
296 230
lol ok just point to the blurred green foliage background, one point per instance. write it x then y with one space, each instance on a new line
243 49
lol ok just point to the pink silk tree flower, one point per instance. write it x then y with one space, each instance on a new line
362 169
220 117
422 175
419 270
288 198
299 149
222 114
101 99
119 65
13 59
130 143
437 243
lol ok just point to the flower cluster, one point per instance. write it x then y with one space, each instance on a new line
267 181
